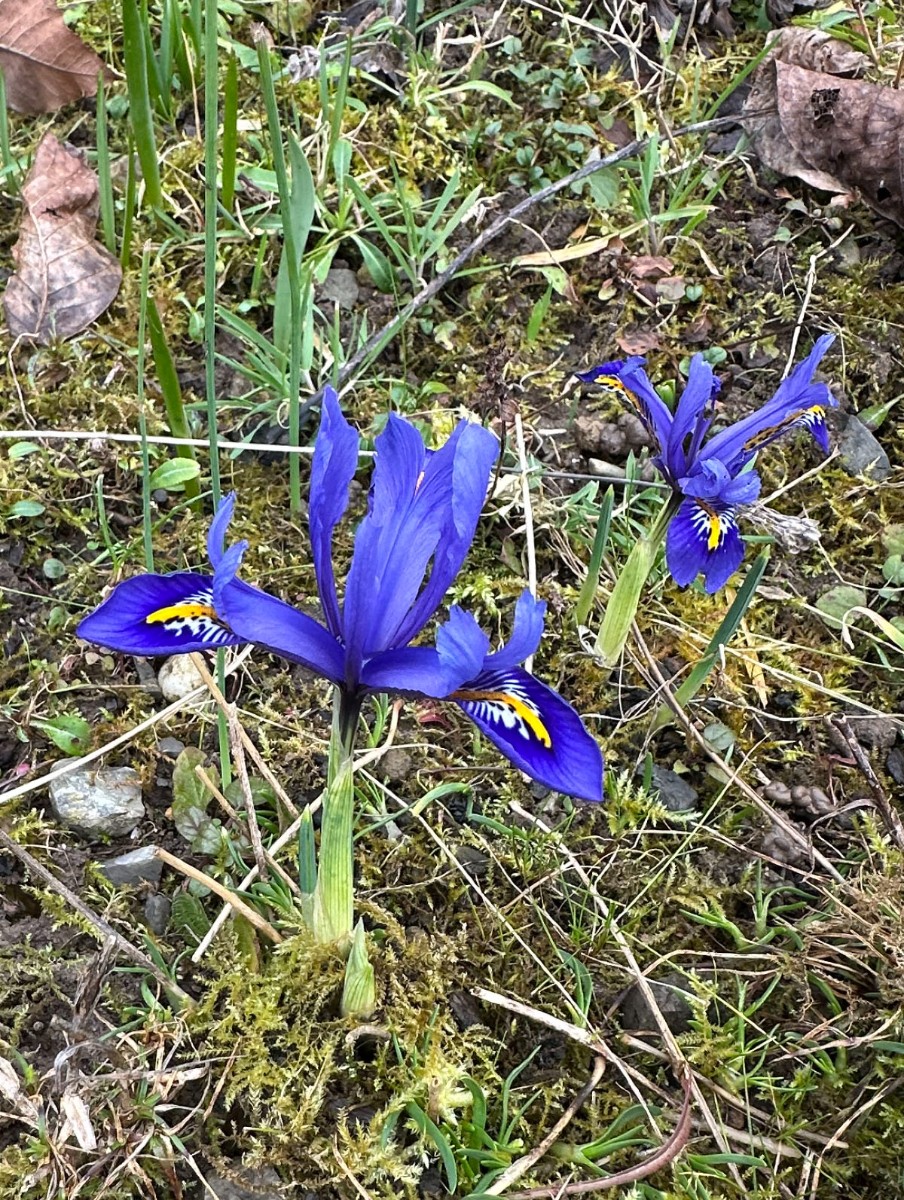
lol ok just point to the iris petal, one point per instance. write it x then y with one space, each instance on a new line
691 413
332 470
526 634
798 403
536 729
629 380
160 614
258 617
703 539
475 451
423 505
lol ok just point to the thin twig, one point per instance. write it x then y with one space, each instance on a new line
125 947
221 918
234 902
255 754
241 770
666 1154
887 811
382 337
523 1164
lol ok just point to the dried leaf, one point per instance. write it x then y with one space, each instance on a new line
837 134
77 1121
45 64
638 341
64 279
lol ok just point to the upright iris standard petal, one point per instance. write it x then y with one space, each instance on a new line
216 535
526 633
258 617
475 453
332 470
693 417
798 403
423 506
536 729
160 614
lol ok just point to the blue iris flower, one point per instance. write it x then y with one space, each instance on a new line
711 474
422 515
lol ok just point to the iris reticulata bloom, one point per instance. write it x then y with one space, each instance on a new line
711 473
422 515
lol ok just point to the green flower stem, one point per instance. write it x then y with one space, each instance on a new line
623 603
333 903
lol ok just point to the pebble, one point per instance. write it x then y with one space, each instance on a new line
97 803
395 765
340 286
778 845
675 793
138 866
171 747
246 1183
178 676
672 995
860 453
894 765
157 909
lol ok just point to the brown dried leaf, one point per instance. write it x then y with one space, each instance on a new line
45 64
837 134
649 266
64 279
637 340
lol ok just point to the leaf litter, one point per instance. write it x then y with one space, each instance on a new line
44 63
65 279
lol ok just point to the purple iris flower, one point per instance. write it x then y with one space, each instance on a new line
423 508
710 473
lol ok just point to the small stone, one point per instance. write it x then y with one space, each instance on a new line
340 286
598 466
860 453
178 676
171 747
157 909
799 794
465 1009
894 765
395 765
105 802
880 733
674 793
820 802
777 792
673 997
474 861
779 845
160 496
246 1183
138 866
594 436
635 431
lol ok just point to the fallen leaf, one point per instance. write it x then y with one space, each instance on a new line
671 288
638 341
649 266
837 134
64 279
44 63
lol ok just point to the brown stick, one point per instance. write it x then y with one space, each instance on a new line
666 1153
224 893
253 752
125 947
887 811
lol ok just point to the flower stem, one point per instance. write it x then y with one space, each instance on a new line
623 603
333 902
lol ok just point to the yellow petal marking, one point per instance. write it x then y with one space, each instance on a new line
815 413
175 611
524 711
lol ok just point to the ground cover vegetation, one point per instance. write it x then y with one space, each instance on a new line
212 213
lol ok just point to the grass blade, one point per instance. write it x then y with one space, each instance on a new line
592 580
720 638
141 115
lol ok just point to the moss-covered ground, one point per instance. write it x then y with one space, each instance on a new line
776 964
